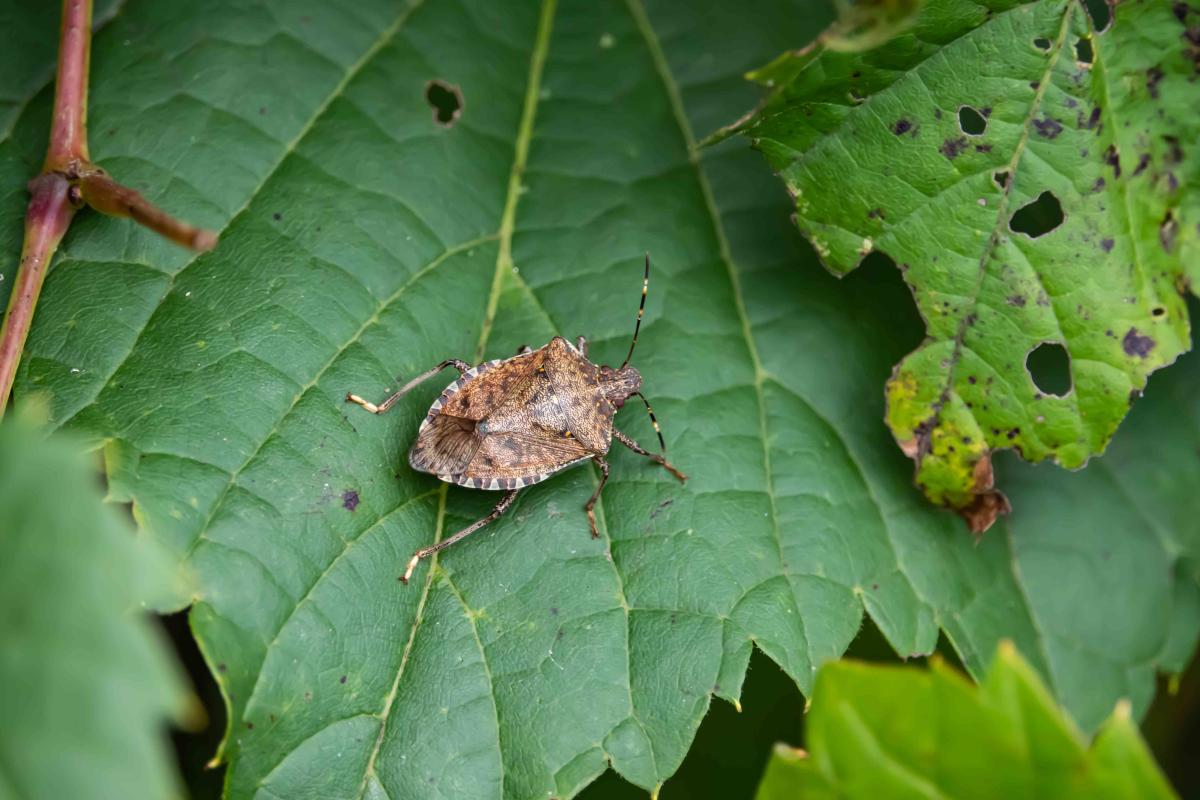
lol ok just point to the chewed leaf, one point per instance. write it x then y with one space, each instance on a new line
884 731
1034 177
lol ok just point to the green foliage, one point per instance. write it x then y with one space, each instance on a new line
903 732
86 683
873 150
363 242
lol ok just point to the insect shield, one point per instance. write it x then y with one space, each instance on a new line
513 422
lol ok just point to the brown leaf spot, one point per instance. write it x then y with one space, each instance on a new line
1136 344
349 499
901 127
1017 300
1154 76
1106 245
1047 127
952 147
1113 159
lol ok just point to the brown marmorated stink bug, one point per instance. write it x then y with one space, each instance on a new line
513 422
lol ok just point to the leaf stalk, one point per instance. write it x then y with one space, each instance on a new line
68 181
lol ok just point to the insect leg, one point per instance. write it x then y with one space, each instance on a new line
581 345
655 457
461 366
424 552
590 506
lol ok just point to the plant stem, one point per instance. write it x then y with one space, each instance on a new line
68 131
50 208
67 181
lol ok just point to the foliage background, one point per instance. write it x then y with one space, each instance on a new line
272 121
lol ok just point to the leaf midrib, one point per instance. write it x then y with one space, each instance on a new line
503 262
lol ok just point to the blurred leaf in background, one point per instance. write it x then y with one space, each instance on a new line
904 732
88 685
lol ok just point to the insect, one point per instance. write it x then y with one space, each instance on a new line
513 422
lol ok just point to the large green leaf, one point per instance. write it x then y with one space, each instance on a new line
882 731
363 242
1108 137
86 683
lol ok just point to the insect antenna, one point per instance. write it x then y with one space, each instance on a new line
653 421
641 309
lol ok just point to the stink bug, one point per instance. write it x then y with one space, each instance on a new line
513 422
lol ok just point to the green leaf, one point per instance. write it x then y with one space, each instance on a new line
362 242
949 148
82 671
883 731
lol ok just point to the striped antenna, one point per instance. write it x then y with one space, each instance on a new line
653 421
641 309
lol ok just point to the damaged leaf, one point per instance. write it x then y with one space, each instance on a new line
1062 209
889 731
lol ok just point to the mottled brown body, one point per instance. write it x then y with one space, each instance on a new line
509 423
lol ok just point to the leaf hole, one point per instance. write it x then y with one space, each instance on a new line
1000 179
1049 367
1038 217
1158 311
1083 50
971 121
446 100
1100 12
1041 43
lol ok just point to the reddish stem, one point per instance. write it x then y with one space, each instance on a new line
46 221
68 131
67 181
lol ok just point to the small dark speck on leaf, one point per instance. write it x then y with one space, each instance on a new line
249 726
1106 245
1047 127
1093 119
1166 232
350 500
875 213
1017 300
1098 185
554 611
222 667
1181 11
342 679
1113 159
1174 151
277 216
1035 85
901 127
1143 162
983 148
952 147
1154 76
971 379
1136 344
